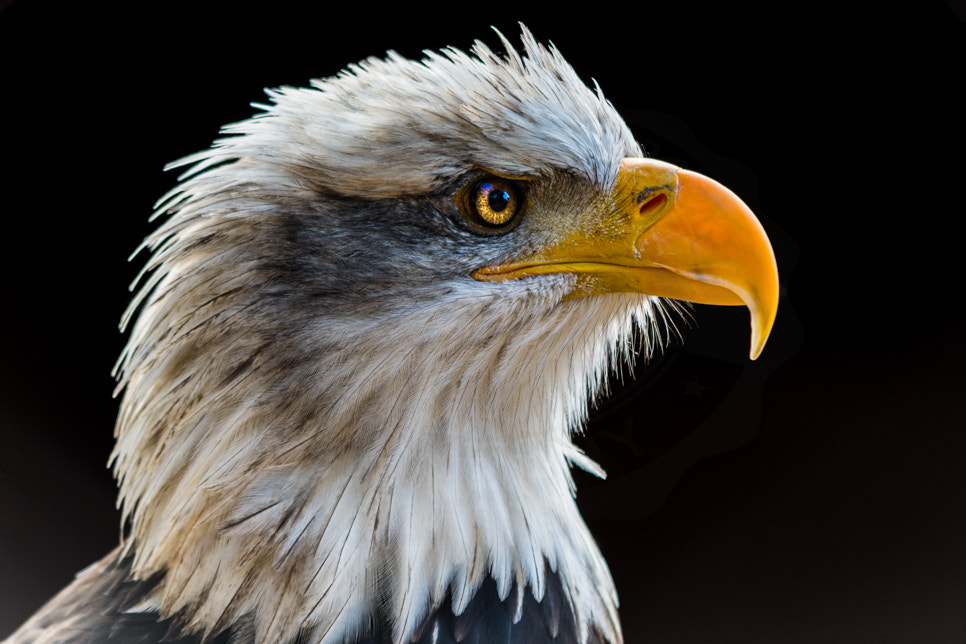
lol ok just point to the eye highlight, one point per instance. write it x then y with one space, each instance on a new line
493 204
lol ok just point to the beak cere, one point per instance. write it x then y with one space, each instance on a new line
669 233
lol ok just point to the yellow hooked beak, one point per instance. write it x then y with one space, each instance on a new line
672 233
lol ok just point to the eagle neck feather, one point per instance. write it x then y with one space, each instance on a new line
434 451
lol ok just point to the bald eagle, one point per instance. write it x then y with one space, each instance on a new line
369 325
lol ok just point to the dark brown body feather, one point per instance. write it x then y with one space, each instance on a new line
97 609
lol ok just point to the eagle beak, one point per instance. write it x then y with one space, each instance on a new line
666 232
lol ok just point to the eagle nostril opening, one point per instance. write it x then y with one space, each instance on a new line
652 205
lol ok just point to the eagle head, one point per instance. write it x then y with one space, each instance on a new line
370 323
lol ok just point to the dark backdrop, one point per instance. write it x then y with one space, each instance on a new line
817 495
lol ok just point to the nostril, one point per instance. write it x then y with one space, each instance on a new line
652 205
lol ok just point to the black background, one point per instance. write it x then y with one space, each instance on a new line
834 507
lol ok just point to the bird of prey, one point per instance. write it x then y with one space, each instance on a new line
369 325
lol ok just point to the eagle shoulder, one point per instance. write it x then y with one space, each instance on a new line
96 608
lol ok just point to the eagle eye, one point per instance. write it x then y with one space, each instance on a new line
492 205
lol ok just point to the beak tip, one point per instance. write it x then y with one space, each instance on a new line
761 326
755 351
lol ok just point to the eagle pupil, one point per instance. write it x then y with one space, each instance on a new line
498 200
